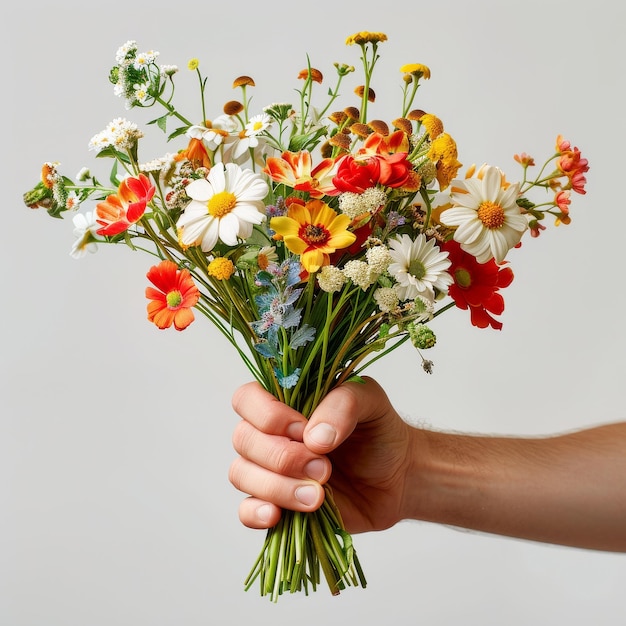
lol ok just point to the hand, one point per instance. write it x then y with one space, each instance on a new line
355 440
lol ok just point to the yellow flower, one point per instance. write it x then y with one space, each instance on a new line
443 153
193 64
365 37
432 124
221 268
314 231
416 69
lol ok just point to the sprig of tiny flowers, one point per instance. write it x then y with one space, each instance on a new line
316 239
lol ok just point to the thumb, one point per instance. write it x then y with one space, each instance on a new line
338 414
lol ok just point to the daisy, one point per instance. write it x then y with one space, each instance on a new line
84 228
249 138
488 220
224 206
175 295
419 267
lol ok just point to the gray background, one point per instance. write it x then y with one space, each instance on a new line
115 508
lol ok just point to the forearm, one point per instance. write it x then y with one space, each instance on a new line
568 489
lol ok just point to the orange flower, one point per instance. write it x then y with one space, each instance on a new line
295 170
175 295
126 207
195 153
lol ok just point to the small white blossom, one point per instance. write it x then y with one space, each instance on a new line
331 279
124 50
83 174
386 298
378 258
359 273
85 226
141 92
168 70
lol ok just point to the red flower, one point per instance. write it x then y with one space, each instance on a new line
126 207
175 295
476 285
358 173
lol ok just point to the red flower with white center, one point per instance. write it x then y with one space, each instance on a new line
175 295
126 207
476 285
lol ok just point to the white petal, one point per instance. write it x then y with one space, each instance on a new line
468 232
210 236
199 190
229 229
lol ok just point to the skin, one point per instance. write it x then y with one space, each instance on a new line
567 489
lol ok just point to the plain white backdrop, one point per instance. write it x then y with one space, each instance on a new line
115 508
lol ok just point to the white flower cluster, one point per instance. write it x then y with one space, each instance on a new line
120 133
355 204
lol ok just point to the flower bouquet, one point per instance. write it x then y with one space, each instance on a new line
316 240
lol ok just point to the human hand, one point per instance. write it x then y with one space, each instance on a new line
354 440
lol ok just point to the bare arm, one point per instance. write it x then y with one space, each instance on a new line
568 489
565 489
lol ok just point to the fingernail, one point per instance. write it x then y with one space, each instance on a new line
264 512
323 434
315 469
307 494
294 431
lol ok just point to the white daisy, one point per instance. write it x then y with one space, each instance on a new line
488 220
224 206
419 267
84 228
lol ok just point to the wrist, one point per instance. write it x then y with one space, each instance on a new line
445 479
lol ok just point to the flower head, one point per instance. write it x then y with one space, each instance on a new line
419 267
84 229
314 231
295 169
224 206
172 297
476 285
486 215
126 207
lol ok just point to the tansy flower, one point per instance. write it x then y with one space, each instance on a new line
419 267
224 206
126 207
416 69
221 268
363 37
175 295
443 153
314 231
488 220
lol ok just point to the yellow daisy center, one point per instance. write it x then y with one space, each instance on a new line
491 214
221 204
173 299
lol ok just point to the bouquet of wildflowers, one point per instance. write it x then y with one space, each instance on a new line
317 240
